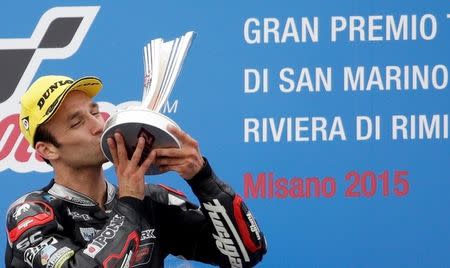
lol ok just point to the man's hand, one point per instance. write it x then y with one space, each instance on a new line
130 175
186 161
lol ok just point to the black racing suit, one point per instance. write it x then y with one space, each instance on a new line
58 227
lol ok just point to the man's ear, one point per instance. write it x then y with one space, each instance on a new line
47 150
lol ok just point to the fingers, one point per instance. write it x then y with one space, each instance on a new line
163 161
129 173
112 149
147 162
186 161
169 152
137 152
121 151
185 170
119 154
182 136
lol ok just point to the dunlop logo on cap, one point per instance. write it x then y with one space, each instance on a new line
50 90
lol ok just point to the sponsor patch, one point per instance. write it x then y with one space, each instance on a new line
78 200
59 257
46 253
24 224
49 197
77 216
147 234
225 242
253 226
30 253
88 233
105 236
29 241
21 209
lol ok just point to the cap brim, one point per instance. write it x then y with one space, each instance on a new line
89 85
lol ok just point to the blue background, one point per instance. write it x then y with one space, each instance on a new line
409 231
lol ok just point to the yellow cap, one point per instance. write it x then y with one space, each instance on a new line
43 98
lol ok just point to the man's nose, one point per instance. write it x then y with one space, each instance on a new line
97 124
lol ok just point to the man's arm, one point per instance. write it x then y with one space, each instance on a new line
224 231
221 232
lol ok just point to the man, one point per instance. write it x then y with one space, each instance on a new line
82 220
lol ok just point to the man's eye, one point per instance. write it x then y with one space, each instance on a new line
76 124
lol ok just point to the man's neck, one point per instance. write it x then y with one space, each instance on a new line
88 181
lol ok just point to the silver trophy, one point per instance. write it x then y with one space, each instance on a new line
162 64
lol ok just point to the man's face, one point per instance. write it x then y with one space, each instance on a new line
78 126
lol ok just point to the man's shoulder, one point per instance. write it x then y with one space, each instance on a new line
30 197
29 204
30 211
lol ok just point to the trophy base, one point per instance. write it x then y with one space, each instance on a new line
135 123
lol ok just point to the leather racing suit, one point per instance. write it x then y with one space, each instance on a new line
59 227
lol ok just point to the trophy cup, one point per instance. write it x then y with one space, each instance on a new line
162 64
